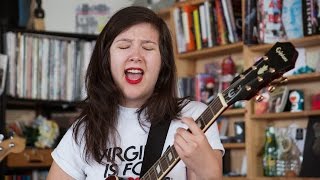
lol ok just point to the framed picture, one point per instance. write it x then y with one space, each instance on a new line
278 99
3 71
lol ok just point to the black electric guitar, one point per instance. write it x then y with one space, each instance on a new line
280 59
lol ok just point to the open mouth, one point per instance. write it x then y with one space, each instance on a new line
134 75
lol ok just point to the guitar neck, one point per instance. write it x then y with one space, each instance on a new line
170 158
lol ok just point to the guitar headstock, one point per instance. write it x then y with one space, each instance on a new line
278 60
13 144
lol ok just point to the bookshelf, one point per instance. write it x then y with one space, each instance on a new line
192 62
45 106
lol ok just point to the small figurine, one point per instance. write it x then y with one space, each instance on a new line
297 100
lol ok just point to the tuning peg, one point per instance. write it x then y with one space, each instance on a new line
283 80
248 88
271 88
11 134
12 144
259 98
254 67
260 78
265 58
272 70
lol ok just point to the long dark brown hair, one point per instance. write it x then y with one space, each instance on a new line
100 108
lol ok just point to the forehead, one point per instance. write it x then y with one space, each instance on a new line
142 31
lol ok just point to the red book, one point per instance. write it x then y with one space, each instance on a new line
188 10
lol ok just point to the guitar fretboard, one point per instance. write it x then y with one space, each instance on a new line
170 158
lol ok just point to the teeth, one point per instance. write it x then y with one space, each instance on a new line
136 71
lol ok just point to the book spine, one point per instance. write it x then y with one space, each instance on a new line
203 25
307 17
180 32
250 23
197 29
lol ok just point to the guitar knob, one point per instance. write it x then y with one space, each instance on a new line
260 78
11 145
265 58
271 88
248 88
254 67
259 98
272 70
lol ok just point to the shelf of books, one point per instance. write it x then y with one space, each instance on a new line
207 28
47 65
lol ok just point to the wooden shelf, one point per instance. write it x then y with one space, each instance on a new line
193 2
30 158
213 51
286 115
234 112
24 103
234 145
302 78
234 178
164 12
301 42
287 178
58 34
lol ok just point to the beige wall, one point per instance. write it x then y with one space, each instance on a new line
60 14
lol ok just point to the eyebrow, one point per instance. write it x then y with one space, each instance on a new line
130 40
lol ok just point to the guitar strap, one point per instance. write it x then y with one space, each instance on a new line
153 149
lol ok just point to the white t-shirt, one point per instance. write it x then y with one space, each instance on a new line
129 153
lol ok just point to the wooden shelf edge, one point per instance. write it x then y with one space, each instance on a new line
234 145
286 115
234 112
165 12
300 42
302 78
234 178
56 34
193 2
53 105
286 178
213 51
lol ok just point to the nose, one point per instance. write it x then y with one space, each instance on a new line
136 54
135 58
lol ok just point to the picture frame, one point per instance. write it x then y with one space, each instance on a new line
3 71
278 99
